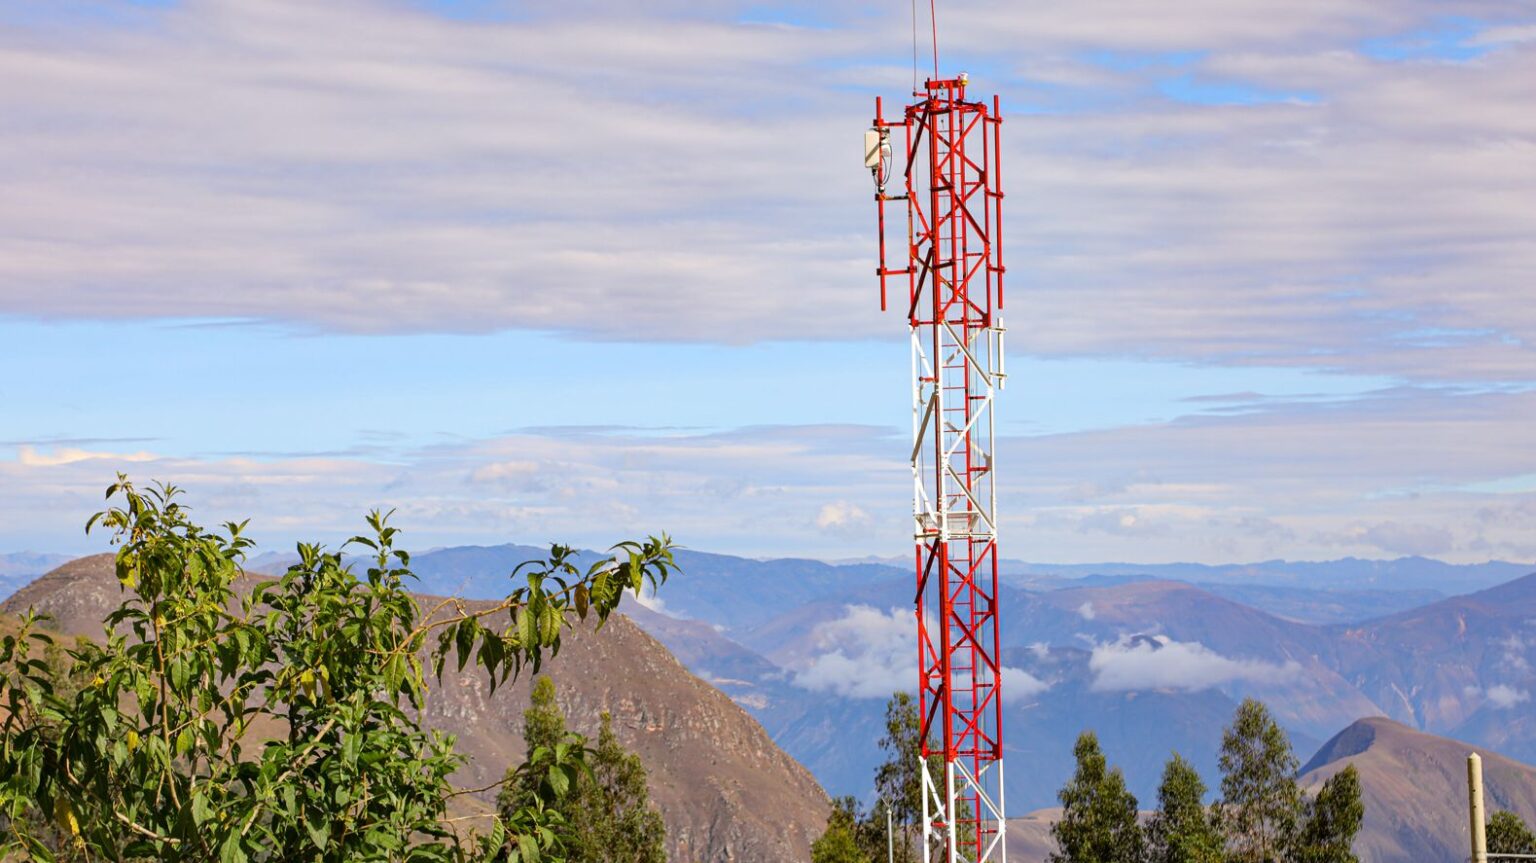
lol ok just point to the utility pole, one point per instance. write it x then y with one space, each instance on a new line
1475 807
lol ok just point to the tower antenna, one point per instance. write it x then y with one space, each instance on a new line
951 262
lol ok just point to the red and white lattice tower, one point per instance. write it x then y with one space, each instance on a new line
950 261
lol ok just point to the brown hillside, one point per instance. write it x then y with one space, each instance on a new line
1415 789
726 792
1029 837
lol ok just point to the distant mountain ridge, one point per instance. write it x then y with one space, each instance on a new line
18 568
1151 664
1351 573
1414 786
752 627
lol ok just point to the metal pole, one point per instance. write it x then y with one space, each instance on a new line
1475 800
890 837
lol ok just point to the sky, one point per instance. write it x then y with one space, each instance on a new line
585 271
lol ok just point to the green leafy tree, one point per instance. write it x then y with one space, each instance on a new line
281 720
1508 834
1332 821
544 733
1261 806
1182 830
605 810
899 787
614 820
839 843
1098 820
899 780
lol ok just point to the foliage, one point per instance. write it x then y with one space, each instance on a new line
607 816
840 842
1182 830
544 733
1098 820
1261 806
1508 834
616 822
1333 820
229 720
899 780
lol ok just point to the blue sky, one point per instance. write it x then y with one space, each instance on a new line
536 273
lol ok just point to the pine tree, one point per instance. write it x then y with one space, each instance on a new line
839 843
1261 805
1508 834
1333 820
1182 830
1098 820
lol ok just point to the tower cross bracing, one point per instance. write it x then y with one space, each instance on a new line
947 148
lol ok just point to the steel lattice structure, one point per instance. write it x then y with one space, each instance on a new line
953 272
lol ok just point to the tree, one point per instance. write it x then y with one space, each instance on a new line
1182 830
1098 819
1508 834
544 732
615 821
1332 821
1261 806
282 721
607 817
839 843
899 786
899 780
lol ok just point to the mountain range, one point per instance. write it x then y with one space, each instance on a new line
1153 665
1385 674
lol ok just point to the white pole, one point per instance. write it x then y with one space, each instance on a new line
890 837
951 829
1475 800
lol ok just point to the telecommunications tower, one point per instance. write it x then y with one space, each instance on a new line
944 150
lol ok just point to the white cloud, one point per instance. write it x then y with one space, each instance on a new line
1085 611
1503 696
1019 684
1296 481
843 517
391 181
1505 35
866 653
1158 662
1514 653
1420 539
29 456
647 598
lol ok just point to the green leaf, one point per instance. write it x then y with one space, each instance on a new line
230 851
464 640
319 833
525 629
528 849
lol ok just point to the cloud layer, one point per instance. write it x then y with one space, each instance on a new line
867 653
1224 182
1158 662
1429 472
